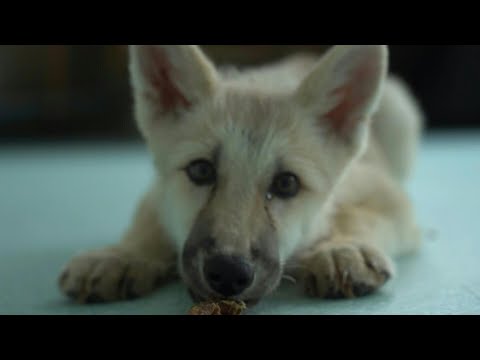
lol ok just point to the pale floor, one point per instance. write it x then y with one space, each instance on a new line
58 201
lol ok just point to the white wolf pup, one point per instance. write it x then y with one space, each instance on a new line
295 169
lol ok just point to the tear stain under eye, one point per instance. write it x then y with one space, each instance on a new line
270 217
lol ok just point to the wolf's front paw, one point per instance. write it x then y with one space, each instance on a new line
108 275
346 271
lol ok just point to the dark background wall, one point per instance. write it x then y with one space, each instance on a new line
54 92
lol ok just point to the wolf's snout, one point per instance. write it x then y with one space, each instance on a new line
228 275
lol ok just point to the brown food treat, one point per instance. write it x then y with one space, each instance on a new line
205 309
225 308
234 308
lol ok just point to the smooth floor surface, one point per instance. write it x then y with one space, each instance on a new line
57 201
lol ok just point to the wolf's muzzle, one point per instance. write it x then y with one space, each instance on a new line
228 275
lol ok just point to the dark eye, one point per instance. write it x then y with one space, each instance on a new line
285 186
202 173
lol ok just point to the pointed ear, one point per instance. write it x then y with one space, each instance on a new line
344 88
170 78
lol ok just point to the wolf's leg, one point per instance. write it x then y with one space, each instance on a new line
134 268
355 259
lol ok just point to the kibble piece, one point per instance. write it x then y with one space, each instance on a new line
225 308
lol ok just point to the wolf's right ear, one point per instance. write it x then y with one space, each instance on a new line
170 78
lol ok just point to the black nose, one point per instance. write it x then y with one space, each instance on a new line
228 275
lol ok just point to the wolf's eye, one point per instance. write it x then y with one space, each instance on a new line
202 173
285 186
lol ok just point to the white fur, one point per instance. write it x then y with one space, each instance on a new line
315 119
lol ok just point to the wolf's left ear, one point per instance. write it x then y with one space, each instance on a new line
343 90
171 77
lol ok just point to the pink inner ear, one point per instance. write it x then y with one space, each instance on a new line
353 96
339 117
159 74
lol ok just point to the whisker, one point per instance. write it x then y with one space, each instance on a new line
290 279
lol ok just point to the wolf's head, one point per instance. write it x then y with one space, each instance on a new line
247 168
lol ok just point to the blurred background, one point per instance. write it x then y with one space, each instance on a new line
69 92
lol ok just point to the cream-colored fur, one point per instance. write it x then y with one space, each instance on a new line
339 123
